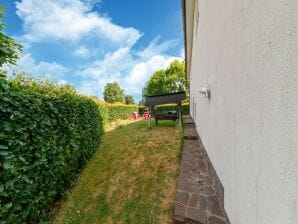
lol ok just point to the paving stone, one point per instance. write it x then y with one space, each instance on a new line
202 165
197 201
215 220
190 132
213 205
196 216
206 190
188 120
199 189
207 180
182 197
179 213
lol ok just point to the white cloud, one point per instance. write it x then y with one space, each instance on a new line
121 66
182 53
90 34
70 20
142 71
156 48
82 51
29 65
110 67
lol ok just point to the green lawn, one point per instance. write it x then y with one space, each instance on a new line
130 179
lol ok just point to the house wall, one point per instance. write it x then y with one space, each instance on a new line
247 50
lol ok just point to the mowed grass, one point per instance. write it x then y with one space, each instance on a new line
131 178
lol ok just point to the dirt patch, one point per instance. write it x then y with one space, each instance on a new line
138 161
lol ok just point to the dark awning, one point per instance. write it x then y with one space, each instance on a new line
151 101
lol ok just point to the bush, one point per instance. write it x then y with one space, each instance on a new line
45 140
141 110
120 111
103 112
169 107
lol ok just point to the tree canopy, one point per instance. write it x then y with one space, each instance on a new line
129 99
169 80
10 51
113 93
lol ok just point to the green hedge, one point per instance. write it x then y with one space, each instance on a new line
141 110
169 107
120 111
47 133
45 141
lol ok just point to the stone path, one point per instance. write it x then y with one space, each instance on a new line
199 194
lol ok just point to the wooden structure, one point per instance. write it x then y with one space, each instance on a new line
152 101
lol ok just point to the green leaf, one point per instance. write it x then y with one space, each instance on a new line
26 179
8 205
3 146
4 153
7 165
22 158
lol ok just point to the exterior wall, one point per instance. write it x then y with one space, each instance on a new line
248 52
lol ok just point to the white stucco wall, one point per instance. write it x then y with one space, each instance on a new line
248 51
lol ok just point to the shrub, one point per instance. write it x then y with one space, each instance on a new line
45 140
169 107
141 110
103 112
120 111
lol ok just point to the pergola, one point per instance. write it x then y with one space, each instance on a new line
152 101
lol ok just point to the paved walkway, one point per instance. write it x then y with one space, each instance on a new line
199 194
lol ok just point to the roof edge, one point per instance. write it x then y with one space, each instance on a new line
167 94
183 7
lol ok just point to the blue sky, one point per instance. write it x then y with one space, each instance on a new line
88 43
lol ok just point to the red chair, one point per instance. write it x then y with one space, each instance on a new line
134 116
146 115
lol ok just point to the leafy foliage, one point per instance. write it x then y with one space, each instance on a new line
10 51
113 93
45 139
120 111
129 100
170 80
142 109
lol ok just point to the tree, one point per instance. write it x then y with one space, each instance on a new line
10 51
113 93
129 99
169 80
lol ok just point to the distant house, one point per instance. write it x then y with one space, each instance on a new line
242 63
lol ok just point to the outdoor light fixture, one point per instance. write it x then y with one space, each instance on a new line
205 91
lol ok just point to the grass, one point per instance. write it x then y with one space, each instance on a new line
131 178
113 125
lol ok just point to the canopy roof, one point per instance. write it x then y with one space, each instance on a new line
151 101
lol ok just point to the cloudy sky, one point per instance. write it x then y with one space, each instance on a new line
88 43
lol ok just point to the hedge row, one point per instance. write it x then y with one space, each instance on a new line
117 111
114 112
170 107
45 141
120 111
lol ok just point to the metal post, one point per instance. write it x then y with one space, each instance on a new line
149 123
180 114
